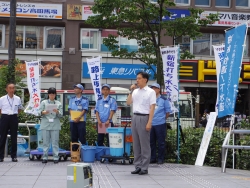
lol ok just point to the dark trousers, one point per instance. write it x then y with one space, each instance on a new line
8 122
78 133
101 136
158 134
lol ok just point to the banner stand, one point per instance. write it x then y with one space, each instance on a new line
170 58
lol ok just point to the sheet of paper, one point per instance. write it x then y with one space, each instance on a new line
103 128
76 114
50 107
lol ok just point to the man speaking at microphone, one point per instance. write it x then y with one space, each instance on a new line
144 100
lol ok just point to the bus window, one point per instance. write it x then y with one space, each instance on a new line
185 109
45 96
67 97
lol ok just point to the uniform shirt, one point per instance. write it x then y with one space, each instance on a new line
81 104
142 99
104 106
8 105
45 122
162 107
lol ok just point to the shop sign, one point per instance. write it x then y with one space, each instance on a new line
32 10
120 71
228 19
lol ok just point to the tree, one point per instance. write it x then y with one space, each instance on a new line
143 21
8 73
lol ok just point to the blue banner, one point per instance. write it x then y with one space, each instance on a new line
120 71
230 70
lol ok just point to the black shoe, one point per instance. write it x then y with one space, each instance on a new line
1 160
55 161
44 161
143 172
152 161
136 171
160 162
14 160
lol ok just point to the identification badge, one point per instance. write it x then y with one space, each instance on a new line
79 107
11 112
106 105
51 120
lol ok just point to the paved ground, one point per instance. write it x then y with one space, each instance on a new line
34 174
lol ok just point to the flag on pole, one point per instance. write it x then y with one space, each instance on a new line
219 58
33 82
94 66
230 70
170 56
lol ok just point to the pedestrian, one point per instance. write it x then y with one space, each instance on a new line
51 112
143 99
79 104
204 119
10 107
159 125
105 108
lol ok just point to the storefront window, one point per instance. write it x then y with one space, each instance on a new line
19 36
33 37
2 35
104 34
202 45
242 3
89 39
130 44
217 39
54 37
184 43
202 2
182 1
222 3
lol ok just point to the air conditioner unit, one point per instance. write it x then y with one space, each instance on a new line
79 175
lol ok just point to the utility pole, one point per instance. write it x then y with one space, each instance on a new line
12 41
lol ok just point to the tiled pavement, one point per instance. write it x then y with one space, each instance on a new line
34 174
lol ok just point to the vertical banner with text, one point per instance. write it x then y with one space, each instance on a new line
170 56
219 58
94 66
33 82
230 70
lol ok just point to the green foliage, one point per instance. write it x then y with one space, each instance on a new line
143 21
189 150
9 73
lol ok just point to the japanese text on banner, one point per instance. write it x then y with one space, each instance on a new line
94 69
230 70
34 87
219 58
170 66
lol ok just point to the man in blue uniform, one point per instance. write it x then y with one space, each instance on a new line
105 108
77 126
10 106
159 126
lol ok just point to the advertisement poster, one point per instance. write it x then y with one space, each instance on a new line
47 68
74 12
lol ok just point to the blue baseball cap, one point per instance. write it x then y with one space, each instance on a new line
106 85
79 86
155 85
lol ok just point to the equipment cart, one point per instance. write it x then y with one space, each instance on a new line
120 140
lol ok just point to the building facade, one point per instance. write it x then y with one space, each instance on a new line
55 32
